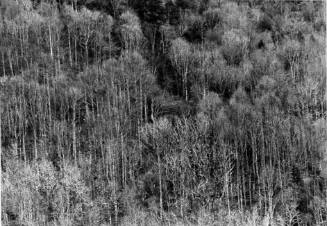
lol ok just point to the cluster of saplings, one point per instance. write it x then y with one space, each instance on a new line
163 112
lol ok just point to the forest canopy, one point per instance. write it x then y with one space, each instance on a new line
163 112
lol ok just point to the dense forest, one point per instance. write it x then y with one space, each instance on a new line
163 112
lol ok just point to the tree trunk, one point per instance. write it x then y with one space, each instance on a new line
74 132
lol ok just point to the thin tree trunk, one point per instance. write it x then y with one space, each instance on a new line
160 185
3 64
74 133
58 50
50 41
10 62
70 50
1 109
35 144
75 51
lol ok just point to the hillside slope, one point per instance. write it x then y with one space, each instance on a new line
163 112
